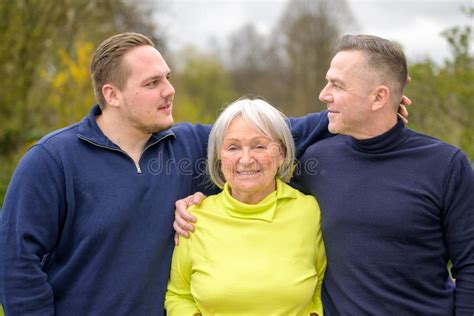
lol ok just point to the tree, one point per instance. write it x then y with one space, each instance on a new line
204 86
248 56
310 30
444 95
44 56
34 35
288 67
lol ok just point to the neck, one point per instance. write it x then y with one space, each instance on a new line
252 197
375 126
129 139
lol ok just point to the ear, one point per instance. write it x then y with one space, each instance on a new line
111 93
380 97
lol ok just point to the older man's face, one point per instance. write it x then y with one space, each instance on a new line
347 93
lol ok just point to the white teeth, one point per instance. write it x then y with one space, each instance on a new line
245 173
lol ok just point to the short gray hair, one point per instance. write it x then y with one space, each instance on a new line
267 120
383 56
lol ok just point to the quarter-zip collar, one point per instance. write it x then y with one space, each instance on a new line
89 131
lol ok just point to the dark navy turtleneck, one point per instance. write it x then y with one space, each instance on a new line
395 209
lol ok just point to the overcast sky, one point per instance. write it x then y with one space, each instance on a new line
416 24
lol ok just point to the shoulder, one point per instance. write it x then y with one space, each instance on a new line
301 196
191 138
48 146
327 145
300 200
432 145
60 136
199 131
308 122
210 204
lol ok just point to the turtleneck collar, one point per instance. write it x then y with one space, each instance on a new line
264 210
382 143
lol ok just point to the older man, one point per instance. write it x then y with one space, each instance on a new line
396 205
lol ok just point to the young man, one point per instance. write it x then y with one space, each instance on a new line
87 219
396 205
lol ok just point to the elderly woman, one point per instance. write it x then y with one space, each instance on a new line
257 249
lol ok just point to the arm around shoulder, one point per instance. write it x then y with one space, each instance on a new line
307 130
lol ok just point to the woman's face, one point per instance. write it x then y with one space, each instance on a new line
250 161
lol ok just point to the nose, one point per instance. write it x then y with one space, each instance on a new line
247 157
168 91
324 95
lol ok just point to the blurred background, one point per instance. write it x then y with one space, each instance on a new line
221 50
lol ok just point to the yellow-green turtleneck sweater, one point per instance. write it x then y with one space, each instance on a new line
263 259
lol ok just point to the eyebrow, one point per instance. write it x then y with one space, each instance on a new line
335 80
157 77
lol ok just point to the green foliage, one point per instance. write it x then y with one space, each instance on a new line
67 91
288 67
47 45
444 95
45 52
203 86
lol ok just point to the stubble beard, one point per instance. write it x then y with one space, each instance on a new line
151 128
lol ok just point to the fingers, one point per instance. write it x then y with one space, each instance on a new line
183 220
402 110
181 230
182 210
197 198
404 119
406 100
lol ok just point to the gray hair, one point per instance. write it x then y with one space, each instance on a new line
263 117
383 56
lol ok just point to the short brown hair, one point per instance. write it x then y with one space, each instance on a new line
384 56
107 66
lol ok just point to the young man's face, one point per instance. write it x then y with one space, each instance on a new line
147 98
347 93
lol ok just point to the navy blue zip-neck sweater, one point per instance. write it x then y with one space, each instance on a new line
87 232
394 210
